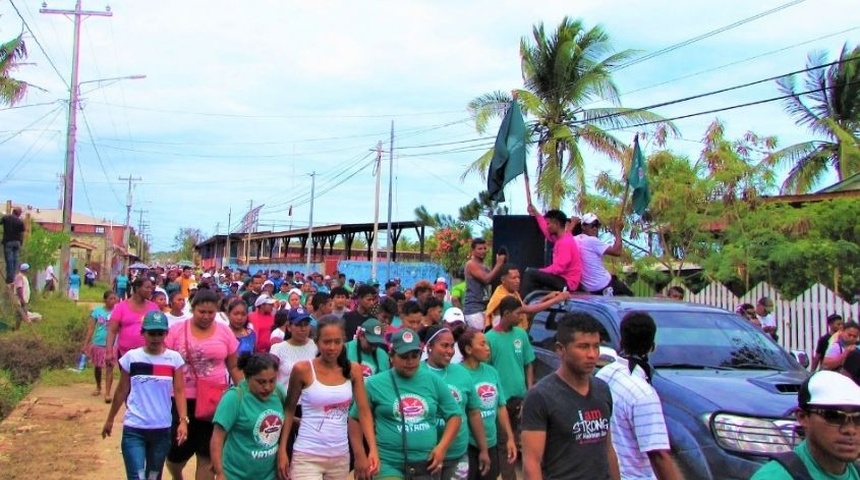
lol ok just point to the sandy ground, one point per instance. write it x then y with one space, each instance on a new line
55 433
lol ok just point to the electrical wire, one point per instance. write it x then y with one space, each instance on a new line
84 186
39 44
99 157
56 112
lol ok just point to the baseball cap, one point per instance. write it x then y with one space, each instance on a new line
268 282
404 341
454 315
207 275
298 314
155 320
264 300
442 280
590 219
826 388
24 267
373 330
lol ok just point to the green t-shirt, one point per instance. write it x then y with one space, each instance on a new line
460 384
253 429
491 396
510 352
774 471
459 291
423 399
371 363
283 296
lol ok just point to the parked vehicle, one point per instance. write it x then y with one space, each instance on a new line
728 390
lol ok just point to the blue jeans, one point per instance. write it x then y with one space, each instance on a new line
144 451
10 255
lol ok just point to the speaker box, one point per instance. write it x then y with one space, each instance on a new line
523 240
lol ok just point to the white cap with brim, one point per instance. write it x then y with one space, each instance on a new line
24 267
264 300
590 218
454 315
828 389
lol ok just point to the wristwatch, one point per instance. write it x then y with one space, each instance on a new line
185 419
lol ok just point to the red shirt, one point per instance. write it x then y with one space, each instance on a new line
263 326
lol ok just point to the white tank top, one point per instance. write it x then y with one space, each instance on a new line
325 410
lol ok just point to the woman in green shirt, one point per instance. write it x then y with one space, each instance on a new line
439 342
248 423
485 382
406 402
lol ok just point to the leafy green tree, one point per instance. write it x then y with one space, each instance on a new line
564 71
831 111
12 53
42 247
184 242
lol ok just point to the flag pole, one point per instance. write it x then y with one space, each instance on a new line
515 95
627 181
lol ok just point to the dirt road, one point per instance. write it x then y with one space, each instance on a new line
55 433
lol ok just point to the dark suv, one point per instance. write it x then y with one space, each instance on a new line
727 389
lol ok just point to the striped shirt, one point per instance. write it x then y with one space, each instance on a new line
151 376
637 420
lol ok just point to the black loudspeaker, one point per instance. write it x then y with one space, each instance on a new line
520 236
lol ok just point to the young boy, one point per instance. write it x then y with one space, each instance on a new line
511 353
432 310
74 285
339 300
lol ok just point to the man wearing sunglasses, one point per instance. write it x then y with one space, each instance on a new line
829 412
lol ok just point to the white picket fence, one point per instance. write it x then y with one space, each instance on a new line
800 321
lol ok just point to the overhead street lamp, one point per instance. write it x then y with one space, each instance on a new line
69 176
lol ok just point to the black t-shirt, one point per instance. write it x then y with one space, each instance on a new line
852 366
352 320
250 297
13 228
821 346
576 428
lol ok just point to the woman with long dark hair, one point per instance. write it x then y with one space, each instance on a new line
209 349
325 387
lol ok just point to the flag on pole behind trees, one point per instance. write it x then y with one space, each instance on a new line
509 153
638 180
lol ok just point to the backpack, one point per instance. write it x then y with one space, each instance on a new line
795 467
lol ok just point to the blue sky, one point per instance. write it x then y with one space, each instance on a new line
243 99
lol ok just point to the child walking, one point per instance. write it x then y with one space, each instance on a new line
95 344
149 375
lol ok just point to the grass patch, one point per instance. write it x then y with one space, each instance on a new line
44 348
95 293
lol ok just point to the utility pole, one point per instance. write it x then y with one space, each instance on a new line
248 238
71 132
60 186
229 231
140 232
128 202
375 240
310 241
388 244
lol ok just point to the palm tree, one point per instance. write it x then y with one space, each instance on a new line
11 54
563 72
830 109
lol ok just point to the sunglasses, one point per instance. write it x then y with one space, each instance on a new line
837 418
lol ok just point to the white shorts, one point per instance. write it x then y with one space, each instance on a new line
74 293
475 320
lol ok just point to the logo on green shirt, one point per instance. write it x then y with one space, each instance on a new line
267 430
488 394
413 407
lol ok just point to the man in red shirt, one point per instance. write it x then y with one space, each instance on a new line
263 320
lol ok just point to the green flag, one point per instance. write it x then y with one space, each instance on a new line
638 180
509 154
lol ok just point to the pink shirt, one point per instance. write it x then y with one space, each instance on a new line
204 357
566 261
263 326
130 321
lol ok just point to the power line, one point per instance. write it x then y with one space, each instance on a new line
41 104
38 43
24 157
705 35
99 157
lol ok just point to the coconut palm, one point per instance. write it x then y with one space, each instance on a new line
563 71
830 110
11 54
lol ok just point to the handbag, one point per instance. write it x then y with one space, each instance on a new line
209 392
412 470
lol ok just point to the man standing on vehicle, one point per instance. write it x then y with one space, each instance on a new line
566 416
595 278
829 412
834 326
638 428
478 280
566 268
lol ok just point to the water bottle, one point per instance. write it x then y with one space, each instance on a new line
82 363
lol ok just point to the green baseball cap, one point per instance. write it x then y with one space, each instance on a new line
373 330
404 341
155 320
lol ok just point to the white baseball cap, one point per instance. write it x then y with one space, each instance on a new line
24 267
442 280
454 315
264 300
826 388
590 218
